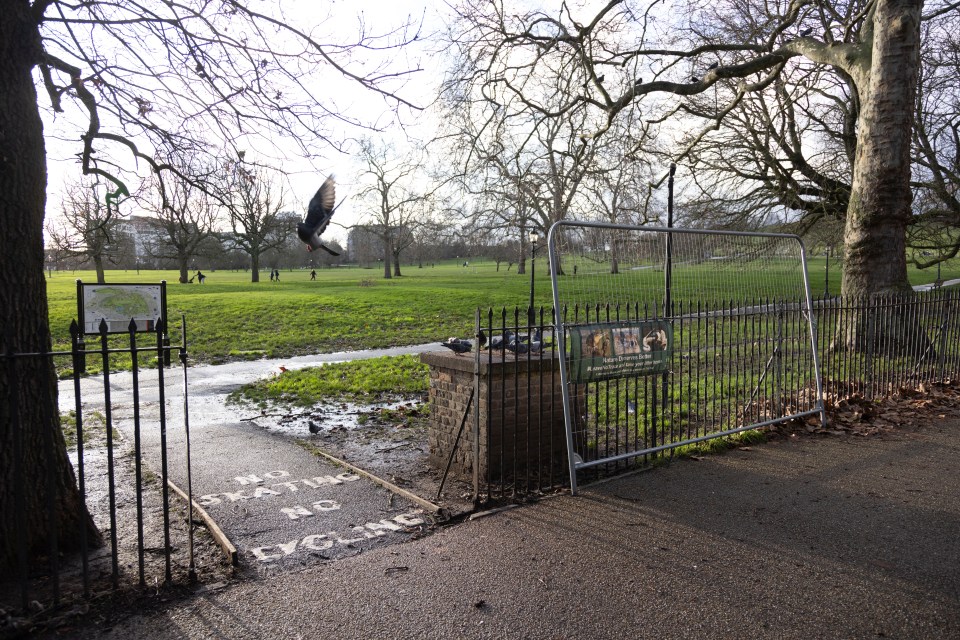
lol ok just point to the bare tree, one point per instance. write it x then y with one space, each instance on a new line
936 145
185 216
527 176
254 205
392 198
787 147
521 63
125 78
791 147
610 52
426 240
90 227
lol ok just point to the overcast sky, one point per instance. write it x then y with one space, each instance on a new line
304 177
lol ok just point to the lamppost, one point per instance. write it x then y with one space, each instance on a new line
826 276
534 238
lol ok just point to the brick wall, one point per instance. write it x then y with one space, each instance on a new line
521 430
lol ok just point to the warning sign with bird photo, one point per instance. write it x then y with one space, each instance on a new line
602 351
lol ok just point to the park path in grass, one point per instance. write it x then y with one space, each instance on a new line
281 505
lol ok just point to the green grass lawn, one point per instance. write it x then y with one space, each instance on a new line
816 267
359 380
230 318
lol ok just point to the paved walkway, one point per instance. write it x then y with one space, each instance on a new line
815 538
933 285
278 503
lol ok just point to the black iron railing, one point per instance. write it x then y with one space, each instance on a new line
96 461
733 366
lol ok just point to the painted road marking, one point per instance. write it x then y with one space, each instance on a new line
321 518
291 486
326 541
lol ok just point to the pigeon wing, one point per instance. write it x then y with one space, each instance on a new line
329 250
321 206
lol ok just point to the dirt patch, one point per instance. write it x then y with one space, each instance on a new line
852 415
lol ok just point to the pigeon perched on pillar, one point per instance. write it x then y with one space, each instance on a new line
457 345
496 342
319 212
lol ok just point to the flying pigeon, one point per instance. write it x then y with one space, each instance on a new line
806 32
713 66
457 345
694 79
318 217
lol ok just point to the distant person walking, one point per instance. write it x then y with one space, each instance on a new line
200 277
277 271
271 275
313 274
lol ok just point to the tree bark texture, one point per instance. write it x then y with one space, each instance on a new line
99 268
29 382
396 264
387 274
880 198
254 266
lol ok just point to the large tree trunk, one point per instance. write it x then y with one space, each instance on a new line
184 270
386 257
98 267
396 264
24 320
880 198
254 266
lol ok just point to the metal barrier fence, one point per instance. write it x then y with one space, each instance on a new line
741 366
95 460
641 297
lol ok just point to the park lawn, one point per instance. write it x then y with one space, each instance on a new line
816 268
230 318
359 380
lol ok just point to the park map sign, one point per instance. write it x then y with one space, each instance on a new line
118 304
604 351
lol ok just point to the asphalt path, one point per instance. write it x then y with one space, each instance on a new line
276 501
838 537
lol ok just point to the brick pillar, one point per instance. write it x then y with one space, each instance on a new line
520 401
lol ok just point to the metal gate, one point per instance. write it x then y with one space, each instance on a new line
97 461
676 336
